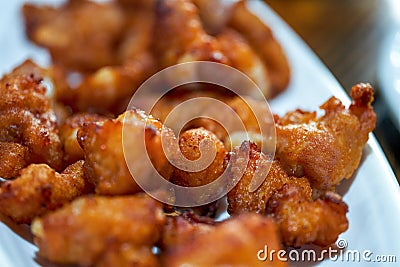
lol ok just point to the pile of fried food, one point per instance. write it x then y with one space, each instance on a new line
61 153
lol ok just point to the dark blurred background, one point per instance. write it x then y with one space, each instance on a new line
348 35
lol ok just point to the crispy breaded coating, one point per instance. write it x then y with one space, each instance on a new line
241 200
68 135
261 38
234 242
180 35
74 39
328 148
181 229
103 146
289 200
303 221
83 231
13 158
39 189
104 159
189 144
27 118
154 130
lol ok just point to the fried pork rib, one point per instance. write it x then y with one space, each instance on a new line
13 158
289 199
97 230
182 38
245 108
326 149
40 189
235 243
241 200
106 61
261 39
111 54
180 35
68 134
162 109
189 144
102 144
109 89
245 59
302 220
247 42
28 125
74 39
181 229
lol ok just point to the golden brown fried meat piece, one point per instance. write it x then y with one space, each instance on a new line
289 200
83 231
262 40
68 135
27 118
104 159
127 255
234 242
102 144
246 113
189 144
245 108
326 149
39 189
182 38
214 14
109 89
74 39
55 82
180 35
112 53
181 229
241 200
243 58
13 158
162 109
302 220
138 32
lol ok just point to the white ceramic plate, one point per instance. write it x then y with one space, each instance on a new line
373 194
389 73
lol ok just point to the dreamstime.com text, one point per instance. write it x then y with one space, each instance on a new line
340 253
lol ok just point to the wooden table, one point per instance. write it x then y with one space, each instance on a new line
347 36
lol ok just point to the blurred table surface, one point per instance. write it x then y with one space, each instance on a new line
347 36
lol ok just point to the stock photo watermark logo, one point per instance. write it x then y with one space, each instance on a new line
338 253
198 107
